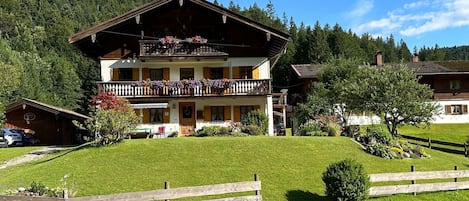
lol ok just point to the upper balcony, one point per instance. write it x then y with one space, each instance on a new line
173 47
176 89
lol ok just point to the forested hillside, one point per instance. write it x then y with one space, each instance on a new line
37 62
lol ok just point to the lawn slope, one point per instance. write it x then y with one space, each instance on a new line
290 168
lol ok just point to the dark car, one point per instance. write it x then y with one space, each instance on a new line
28 136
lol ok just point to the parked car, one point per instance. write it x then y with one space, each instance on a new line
12 137
28 137
3 141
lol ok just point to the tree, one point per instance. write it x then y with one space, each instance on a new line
7 86
395 94
316 104
114 118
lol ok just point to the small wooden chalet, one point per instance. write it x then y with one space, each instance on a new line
185 64
51 125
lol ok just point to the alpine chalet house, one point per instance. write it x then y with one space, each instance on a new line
185 64
448 79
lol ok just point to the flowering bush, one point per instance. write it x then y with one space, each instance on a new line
174 40
186 83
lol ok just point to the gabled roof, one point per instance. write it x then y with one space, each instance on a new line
305 71
278 39
45 107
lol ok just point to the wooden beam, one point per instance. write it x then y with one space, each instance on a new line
407 176
181 2
268 36
93 38
444 186
137 19
223 18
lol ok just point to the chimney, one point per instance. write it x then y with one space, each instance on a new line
379 58
415 58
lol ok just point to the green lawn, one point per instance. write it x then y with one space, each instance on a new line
444 132
290 168
12 152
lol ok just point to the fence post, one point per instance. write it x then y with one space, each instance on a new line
456 168
256 178
412 169
65 192
166 186
465 150
429 143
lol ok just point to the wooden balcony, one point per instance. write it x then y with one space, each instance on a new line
154 48
241 87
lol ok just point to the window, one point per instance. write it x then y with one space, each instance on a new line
125 74
187 73
244 110
216 73
245 72
156 74
218 113
456 109
454 84
156 115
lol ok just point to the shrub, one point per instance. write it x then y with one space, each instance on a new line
311 128
380 150
333 129
346 180
209 131
252 130
352 130
378 136
397 152
257 118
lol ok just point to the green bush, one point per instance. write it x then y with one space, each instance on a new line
252 130
346 180
311 129
377 135
210 131
257 118
333 129
380 150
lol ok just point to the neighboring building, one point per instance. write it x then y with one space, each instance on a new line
448 79
51 125
177 43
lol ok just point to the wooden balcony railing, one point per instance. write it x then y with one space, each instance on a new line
238 88
153 48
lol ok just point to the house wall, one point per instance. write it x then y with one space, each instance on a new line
201 103
445 117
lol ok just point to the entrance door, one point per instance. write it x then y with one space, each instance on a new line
186 118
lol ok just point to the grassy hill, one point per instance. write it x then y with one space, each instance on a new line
290 168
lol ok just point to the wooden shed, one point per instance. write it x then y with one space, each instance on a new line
51 125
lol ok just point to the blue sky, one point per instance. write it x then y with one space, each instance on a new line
418 23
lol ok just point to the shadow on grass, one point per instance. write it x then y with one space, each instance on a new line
67 151
300 195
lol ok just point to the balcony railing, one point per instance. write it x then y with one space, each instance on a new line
238 88
154 48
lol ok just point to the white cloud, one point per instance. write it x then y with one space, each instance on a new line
417 18
362 7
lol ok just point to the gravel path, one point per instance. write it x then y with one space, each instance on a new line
32 156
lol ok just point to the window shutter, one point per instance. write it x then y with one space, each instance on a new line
135 74
447 109
146 116
237 113
166 74
464 109
137 112
115 74
227 113
145 73
236 74
226 72
166 115
206 72
255 73
207 113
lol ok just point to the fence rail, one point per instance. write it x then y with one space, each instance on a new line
433 144
166 194
413 177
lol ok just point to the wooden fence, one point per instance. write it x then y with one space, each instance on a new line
167 193
450 147
413 176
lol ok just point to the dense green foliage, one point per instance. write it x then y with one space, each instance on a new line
346 180
256 122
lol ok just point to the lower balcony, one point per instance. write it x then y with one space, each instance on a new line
241 87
